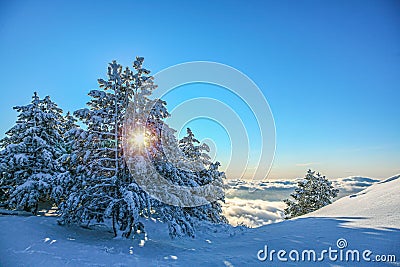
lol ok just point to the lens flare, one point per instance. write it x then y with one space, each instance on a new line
139 139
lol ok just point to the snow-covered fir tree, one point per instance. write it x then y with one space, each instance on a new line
125 141
192 148
28 159
68 170
158 146
101 186
312 193
193 171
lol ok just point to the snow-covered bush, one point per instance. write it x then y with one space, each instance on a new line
312 193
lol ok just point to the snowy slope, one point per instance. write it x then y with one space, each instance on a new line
376 206
367 220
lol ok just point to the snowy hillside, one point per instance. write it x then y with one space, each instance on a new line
368 220
376 206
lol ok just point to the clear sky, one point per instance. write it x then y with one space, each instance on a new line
330 70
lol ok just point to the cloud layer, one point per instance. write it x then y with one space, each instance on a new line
252 213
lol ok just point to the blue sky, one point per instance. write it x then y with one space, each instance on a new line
329 69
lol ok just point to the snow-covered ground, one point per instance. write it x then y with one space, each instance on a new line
368 220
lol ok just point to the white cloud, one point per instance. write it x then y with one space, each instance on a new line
306 164
352 184
253 213
260 185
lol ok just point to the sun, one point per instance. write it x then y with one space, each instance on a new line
139 139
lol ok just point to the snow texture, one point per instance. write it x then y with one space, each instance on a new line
367 220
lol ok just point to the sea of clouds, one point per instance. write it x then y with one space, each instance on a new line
256 203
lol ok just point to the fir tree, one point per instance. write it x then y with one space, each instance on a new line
68 169
103 186
29 154
126 144
312 193
190 171
192 148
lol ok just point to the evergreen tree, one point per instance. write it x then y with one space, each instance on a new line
103 186
159 145
192 148
312 193
190 171
68 169
29 154
124 149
